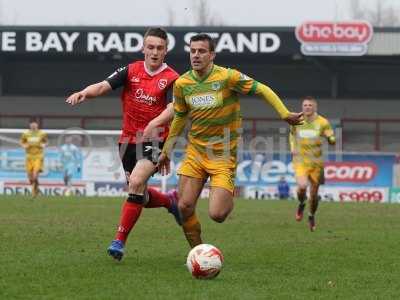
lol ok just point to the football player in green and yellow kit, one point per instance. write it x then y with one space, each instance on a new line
208 96
34 141
306 142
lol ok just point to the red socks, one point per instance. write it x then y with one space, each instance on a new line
129 215
157 199
131 211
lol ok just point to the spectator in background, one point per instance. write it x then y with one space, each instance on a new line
283 188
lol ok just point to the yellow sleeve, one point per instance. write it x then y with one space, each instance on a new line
178 123
327 132
177 126
241 83
273 99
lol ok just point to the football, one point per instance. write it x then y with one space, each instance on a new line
204 261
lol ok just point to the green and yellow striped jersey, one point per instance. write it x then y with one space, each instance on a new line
212 104
34 141
306 139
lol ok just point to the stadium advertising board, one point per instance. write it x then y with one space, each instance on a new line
70 40
327 193
351 170
103 165
267 192
45 188
334 38
12 165
311 38
357 194
259 169
118 189
103 168
108 189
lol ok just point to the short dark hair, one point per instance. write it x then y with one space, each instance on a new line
157 32
33 120
204 37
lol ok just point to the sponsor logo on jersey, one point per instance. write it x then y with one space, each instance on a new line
142 97
162 84
216 86
33 139
205 100
308 133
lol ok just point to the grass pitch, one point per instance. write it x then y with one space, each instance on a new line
55 248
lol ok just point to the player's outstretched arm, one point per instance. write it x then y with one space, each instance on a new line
91 91
294 118
162 119
273 99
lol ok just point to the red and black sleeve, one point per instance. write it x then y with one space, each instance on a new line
118 78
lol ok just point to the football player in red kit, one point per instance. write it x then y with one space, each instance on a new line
144 97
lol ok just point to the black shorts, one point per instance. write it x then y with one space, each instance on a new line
130 154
